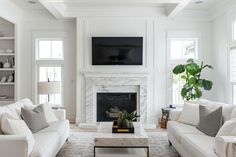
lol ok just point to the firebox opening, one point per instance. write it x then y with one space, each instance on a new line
109 105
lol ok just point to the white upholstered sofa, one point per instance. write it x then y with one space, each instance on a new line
48 141
191 142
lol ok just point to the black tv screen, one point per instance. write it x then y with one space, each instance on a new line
117 50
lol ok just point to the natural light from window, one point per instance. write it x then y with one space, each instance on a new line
53 74
50 49
183 48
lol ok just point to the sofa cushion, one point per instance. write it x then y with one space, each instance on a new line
228 129
178 129
4 110
60 127
190 114
46 144
198 145
16 107
210 120
35 119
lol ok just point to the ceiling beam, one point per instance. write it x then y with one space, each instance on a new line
115 1
49 6
176 10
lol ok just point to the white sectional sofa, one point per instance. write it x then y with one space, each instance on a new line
191 142
48 141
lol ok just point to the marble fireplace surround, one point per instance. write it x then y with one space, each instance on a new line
115 83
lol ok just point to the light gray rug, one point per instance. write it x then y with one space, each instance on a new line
80 144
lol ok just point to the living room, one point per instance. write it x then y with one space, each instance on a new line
82 63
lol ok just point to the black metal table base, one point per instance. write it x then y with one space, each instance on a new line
145 147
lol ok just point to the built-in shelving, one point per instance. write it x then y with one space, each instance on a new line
7 42
7 54
6 83
7 69
7 38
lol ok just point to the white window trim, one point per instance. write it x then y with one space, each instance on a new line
178 34
56 62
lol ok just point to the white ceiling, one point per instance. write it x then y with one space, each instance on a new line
207 4
25 5
59 7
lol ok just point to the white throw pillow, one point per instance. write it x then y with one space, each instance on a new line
49 114
17 127
190 114
228 129
233 113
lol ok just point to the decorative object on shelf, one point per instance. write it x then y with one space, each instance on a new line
164 118
10 78
13 62
49 87
13 75
7 64
1 65
191 74
124 124
4 79
9 51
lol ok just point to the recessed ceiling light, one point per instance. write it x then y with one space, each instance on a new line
198 1
32 1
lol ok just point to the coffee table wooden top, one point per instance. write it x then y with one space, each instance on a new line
105 137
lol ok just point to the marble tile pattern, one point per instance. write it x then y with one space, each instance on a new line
115 84
105 137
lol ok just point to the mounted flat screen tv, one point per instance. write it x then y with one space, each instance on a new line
117 50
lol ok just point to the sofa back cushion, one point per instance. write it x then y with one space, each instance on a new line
226 108
228 129
14 109
190 114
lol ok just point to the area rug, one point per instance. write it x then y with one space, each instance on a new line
80 144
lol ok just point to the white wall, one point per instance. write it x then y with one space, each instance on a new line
41 21
154 31
221 37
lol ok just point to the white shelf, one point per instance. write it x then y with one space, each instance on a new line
7 83
7 54
7 69
7 38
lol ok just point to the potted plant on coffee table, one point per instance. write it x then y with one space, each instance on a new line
124 123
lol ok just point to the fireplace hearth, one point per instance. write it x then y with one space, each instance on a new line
110 104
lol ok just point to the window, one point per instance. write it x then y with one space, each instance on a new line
49 63
50 49
183 48
180 50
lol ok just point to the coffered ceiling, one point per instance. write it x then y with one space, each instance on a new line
64 8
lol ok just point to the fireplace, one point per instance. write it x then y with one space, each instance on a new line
110 104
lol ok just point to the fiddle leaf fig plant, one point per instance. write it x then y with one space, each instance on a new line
194 83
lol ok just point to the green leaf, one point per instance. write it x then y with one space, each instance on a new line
198 93
193 68
179 69
190 60
207 85
192 80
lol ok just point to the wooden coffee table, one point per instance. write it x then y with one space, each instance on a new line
109 144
